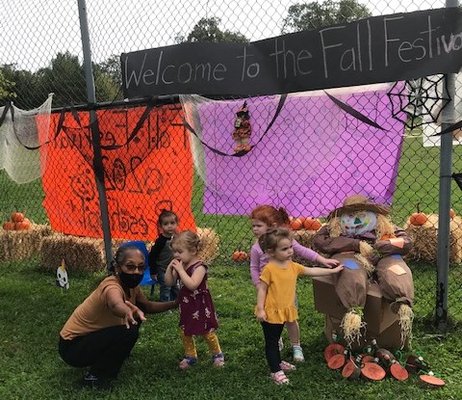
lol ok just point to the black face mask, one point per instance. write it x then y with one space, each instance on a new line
130 280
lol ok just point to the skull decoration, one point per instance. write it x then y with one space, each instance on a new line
62 279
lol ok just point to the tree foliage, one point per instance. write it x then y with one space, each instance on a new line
314 15
64 77
6 88
208 30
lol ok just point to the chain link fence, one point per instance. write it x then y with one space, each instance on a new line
148 154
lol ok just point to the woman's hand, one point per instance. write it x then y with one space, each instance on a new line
327 262
261 315
133 312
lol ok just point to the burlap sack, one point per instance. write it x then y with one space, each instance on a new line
395 281
351 285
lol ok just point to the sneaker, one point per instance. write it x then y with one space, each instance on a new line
298 354
218 360
187 362
281 344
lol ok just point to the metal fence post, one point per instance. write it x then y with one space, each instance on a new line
447 115
98 167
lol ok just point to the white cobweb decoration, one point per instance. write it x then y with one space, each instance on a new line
23 135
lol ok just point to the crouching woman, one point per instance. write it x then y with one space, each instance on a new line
102 331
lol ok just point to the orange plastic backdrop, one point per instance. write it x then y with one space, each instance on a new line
143 174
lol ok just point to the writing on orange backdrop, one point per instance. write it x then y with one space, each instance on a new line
145 171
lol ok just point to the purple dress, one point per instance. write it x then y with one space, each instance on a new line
197 312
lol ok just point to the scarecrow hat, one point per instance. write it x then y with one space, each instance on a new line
358 202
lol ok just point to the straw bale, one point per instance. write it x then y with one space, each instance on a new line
305 238
209 244
425 239
19 245
79 253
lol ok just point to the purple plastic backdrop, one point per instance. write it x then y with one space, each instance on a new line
314 155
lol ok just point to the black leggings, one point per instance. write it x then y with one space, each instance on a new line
272 333
104 351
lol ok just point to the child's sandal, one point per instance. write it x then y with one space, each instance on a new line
218 360
186 362
286 367
279 378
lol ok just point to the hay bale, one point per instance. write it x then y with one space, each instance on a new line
305 238
19 245
425 239
79 253
209 244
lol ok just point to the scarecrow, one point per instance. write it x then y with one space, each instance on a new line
242 130
362 237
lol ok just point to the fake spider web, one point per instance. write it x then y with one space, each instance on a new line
421 100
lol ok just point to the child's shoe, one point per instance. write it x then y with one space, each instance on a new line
218 360
287 367
187 362
298 354
279 378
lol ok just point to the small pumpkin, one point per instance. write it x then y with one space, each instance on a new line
8 225
23 225
311 224
17 216
452 213
296 224
239 256
418 218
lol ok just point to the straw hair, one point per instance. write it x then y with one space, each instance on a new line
352 324
366 252
406 318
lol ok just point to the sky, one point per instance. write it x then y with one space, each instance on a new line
34 31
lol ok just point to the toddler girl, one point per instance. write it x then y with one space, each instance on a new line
197 312
276 293
267 217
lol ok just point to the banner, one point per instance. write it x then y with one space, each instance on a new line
313 157
372 50
144 173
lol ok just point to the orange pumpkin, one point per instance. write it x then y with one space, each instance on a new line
311 224
418 218
17 216
452 213
24 225
296 224
239 256
8 226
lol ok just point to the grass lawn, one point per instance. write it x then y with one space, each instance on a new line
33 311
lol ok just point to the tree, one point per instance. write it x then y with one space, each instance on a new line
6 89
65 78
28 92
208 30
306 16
112 68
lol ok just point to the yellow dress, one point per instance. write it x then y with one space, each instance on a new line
280 297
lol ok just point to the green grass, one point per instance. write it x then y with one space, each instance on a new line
33 311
